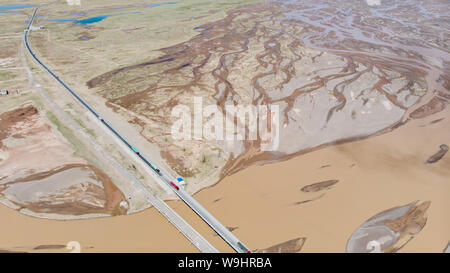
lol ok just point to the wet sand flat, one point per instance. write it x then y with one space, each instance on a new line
337 70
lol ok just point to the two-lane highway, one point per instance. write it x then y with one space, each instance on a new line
220 229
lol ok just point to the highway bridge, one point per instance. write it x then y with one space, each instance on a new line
220 229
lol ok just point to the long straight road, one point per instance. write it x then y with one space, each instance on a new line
220 229
175 219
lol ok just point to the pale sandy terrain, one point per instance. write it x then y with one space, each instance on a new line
362 88
41 174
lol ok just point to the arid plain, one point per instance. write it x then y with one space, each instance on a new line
363 88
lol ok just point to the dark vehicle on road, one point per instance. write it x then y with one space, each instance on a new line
243 247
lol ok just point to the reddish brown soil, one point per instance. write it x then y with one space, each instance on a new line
10 118
28 114
110 193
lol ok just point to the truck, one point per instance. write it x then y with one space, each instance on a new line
175 186
135 150
181 181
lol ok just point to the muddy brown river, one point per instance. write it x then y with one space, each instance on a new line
363 88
